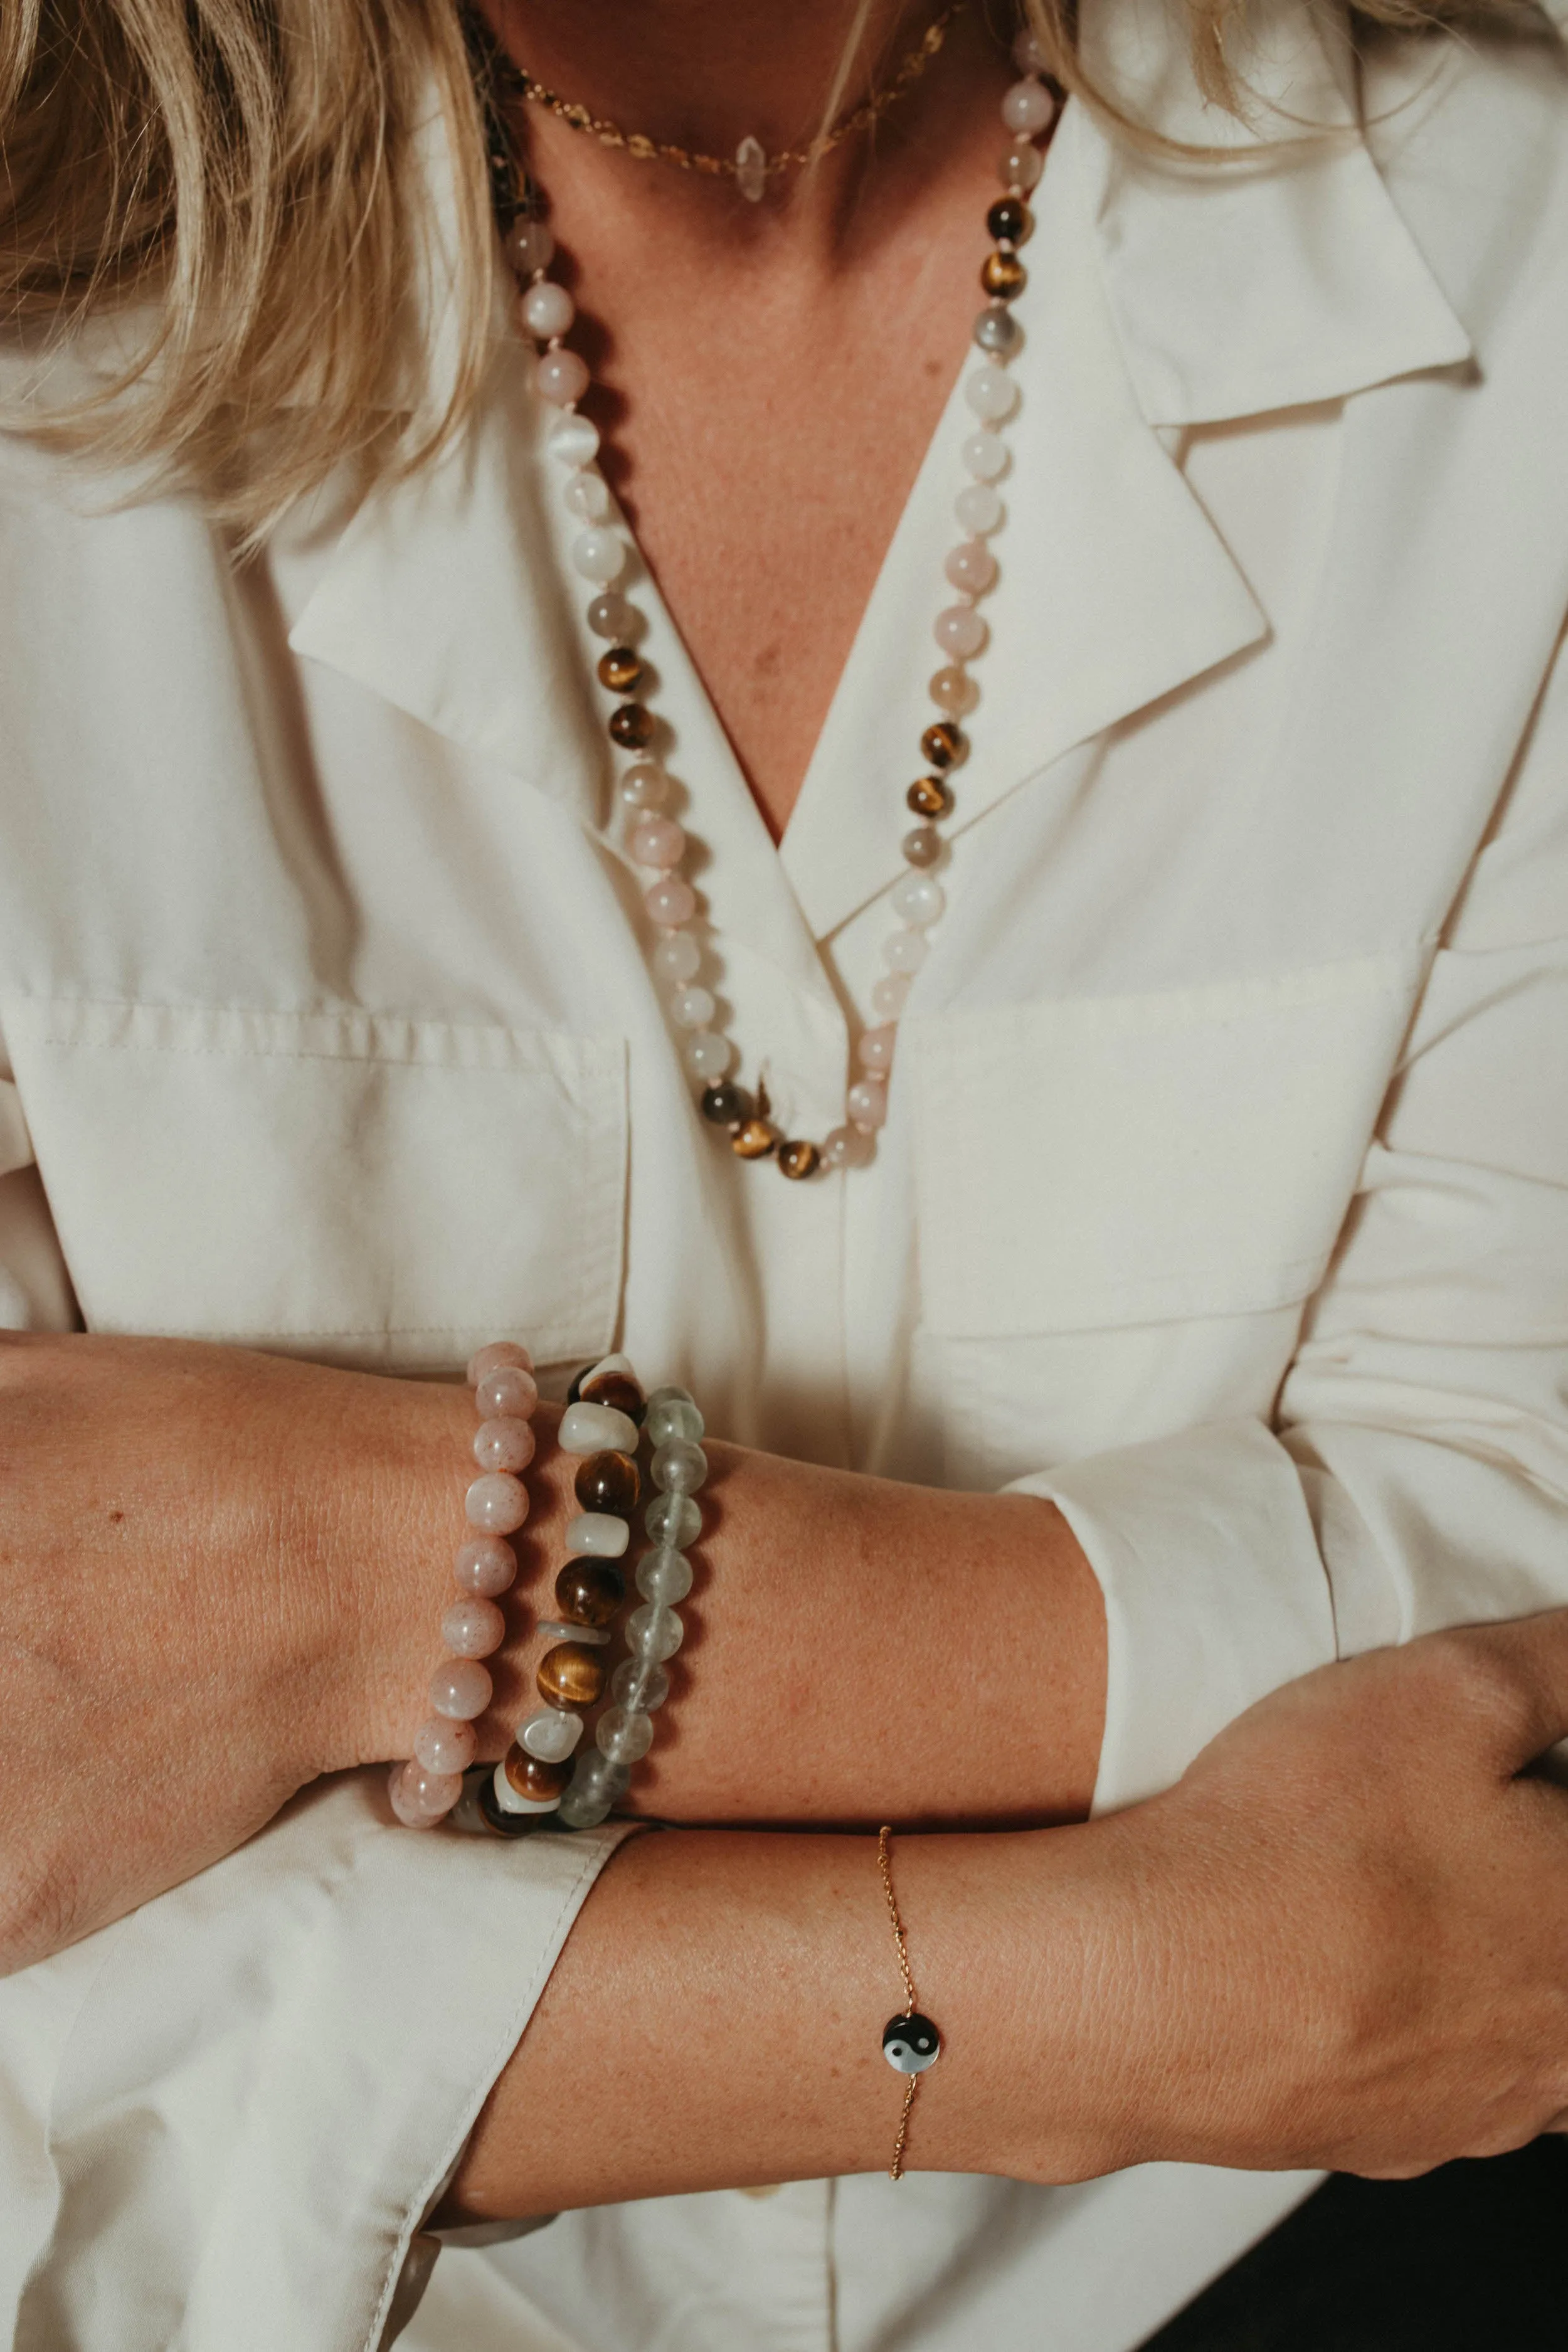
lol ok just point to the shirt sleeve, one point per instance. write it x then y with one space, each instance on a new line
1414 1472
224 2119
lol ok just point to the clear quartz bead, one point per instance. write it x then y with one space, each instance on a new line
692 1008
985 456
751 170
623 1733
670 1415
551 1735
587 497
679 1468
673 1521
677 960
654 1632
641 1683
613 616
664 1575
588 1800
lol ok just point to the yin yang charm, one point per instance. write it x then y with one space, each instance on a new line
910 2043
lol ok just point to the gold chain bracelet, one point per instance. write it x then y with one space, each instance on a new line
910 2043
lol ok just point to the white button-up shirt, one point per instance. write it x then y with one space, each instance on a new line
1223 1195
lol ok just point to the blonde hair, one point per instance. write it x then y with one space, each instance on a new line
236 170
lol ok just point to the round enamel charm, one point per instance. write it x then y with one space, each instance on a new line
910 2043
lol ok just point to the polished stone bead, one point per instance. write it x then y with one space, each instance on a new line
866 1103
985 456
1018 167
589 1427
618 1391
1003 276
1028 54
874 1049
693 1008
889 994
919 901
943 744
654 1632
632 727
593 1791
671 1414
513 1819
664 1575
1028 109
997 331
497 1502
990 393
530 246
655 841
669 902
799 1159
552 1733
563 1629
461 1688
487 1565
534 1776
971 566
954 692
590 1590
641 1683
587 497
572 1675
546 310
904 950
508 1391
575 440
612 615
445 1745
562 378
503 1443
921 846
707 1054
673 1519
753 1139
928 797
472 1628
978 509
726 1105
502 1355
421 1798
607 1482
678 1467
848 1147
598 1534
623 1733
599 555
1011 220
621 670
960 630
676 959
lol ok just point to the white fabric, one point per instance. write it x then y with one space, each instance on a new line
1225 1192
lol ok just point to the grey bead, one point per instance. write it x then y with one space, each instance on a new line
673 1521
997 330
679 1468
640 1684
654 1632
664 1575
671 1415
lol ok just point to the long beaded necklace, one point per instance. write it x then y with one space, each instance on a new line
1030 110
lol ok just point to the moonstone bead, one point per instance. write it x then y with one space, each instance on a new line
676 959
611 616
502 1355
679 1468
421 1798
575 439
1027 54
692 1008
875 1050
443 1746
921 846
707 1055
671 1414
551 1735
548 311
657 841
664 1576
919 900
866 1103
623 1733
670 903
598 1536
954 692
985 456
486 1566
566 1629
644 786
846 1147
472 1628
597 1429
991 393
654 1632
904 950
1029 108
530 246
497 1502
562 378
460 1687
503 1443
641 1684
596 1785
1019 166
673 1521
978 509
599 555
588 497
510 1391
960 629
971 566
890 993
997 330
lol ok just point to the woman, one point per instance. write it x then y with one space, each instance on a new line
1180 1323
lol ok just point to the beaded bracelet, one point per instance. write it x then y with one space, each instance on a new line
424 1790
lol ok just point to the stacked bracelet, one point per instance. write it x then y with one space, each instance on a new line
424 1790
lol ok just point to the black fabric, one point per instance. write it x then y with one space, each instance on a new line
1471 2258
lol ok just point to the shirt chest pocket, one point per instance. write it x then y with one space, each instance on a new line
351 1186
1089 1163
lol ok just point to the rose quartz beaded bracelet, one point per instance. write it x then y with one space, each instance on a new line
424 1790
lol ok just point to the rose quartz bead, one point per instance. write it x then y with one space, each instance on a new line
902 951
443 1746
954 692
1027 108
486 1566
846 1147
875 1051
676 959
644 786
562 378
657 841
547 311
500 1353
670 903
497 1502
460 1687
866 1103
410 1815
510 1391
959 630
978 509
971 566
419 1799
890 993
473 1628
503 1445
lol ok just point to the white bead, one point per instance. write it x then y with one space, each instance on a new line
676 959
599 555
597 1535
890 993
985 456
875 1050
919 900
1027 54
692 1008
575 440
866 1102
644 786
597 1429
566 1629
960 631
587 497
708 1055
978 509
548 311
551 1735
562 377
904 950
991 393
509 1801
971 567
1029 108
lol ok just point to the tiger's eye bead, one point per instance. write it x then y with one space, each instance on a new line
572 1675
928 797
534 1778
1010 219
753 1139
1002 275
725 1105
632 727
943 744
620 1392
799 1159
589 1592
607 1482
621 670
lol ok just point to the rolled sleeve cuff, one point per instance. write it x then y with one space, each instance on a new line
1214 1590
